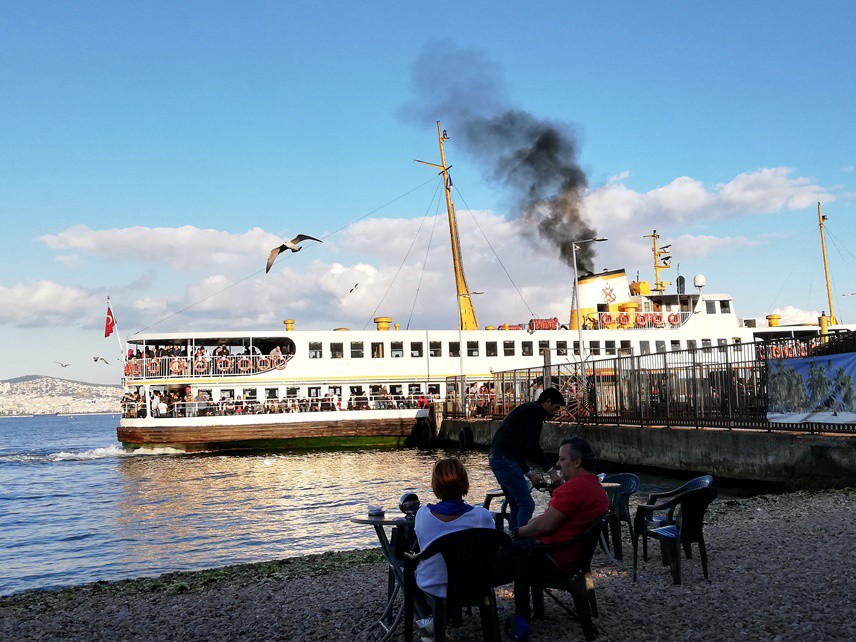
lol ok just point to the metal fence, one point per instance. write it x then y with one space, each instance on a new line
721 386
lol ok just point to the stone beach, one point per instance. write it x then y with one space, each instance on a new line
781 568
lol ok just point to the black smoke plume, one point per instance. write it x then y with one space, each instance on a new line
536 159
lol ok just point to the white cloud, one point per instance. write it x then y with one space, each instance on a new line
182 248
791 314
848 169
46 303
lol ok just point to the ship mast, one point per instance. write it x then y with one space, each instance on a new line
466 310
820 219
661 262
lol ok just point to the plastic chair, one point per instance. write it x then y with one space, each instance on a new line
689 527
619 508
579 585
469 555
654 521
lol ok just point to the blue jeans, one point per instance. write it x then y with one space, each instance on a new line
517 490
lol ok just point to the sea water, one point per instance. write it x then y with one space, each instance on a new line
76 508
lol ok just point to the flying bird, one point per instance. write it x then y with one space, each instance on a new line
97 359
64 365
288 245
353 288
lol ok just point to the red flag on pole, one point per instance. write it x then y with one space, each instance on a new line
110 324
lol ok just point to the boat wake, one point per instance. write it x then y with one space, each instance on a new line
108 452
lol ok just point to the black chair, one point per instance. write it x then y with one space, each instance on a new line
619 508
579 585
469 555
682 531
655 521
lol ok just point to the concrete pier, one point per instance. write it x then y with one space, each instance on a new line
797 460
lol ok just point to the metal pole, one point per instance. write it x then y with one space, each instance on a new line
579 315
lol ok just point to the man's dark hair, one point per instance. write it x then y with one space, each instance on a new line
581 449
552 395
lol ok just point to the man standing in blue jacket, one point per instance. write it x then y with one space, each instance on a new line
517 442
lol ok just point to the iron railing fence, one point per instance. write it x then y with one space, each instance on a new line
721 386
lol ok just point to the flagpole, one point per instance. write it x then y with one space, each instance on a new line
116 328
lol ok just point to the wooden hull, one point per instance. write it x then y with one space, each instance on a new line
223 433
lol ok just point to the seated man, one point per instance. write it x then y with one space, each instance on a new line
573 508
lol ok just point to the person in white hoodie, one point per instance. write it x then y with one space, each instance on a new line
450 484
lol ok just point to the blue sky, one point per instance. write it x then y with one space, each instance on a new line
156 151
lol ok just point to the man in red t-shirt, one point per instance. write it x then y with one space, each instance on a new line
574 506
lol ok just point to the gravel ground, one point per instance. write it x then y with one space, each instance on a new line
781 568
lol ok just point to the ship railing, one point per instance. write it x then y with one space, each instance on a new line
230 407
638 320
203 366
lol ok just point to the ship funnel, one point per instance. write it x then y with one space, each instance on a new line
773 320
383 323
289 324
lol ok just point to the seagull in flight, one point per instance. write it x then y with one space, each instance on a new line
288 245
353 288
64 365
97 359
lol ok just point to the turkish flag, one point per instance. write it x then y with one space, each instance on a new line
110 325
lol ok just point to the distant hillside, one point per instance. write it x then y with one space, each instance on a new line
36 394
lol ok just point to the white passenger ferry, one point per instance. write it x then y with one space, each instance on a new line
338 387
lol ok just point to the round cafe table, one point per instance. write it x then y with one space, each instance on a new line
400 539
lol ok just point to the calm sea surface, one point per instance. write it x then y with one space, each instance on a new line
75 508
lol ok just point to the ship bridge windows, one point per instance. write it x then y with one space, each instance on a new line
508 348
526 348
626 349
725 307
576 348
644 347
722 343
710 307
610 347
691 344
356 349
705 345
416 349
377 350
271 393
490 348
661 346
472 348
337 350
435 349
250 394
396 349
594 347
543 346
454 348
675 345
561 348
315 350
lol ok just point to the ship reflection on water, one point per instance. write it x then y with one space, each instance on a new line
201 511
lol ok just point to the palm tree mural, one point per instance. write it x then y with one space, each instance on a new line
813 389
845 393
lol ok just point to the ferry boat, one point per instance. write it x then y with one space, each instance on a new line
336 388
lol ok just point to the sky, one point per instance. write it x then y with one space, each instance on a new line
155 152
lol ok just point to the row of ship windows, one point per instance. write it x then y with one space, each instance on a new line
255 394
509 348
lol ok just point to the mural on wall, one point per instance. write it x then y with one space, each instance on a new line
813 390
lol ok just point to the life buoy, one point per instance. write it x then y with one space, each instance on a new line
623 319
176 366
244 364
657 319
776 352
674 319
154 366
136 369
641 319
127 369
605 318
223 364
263 363
761 354
200 365
803 351
280 363
789 352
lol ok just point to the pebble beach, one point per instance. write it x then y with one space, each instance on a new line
781 568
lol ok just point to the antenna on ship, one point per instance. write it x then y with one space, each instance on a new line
820 219
466 311
662 261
